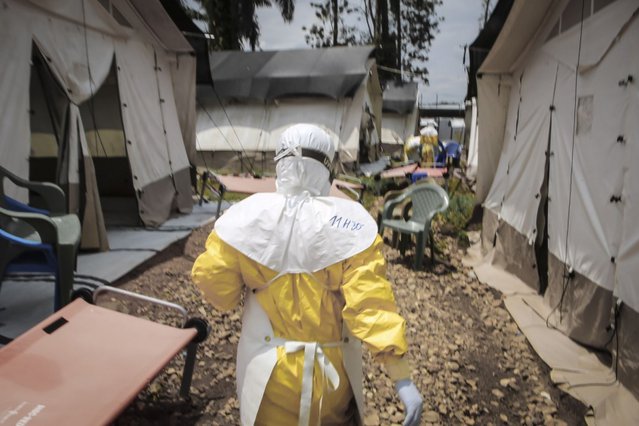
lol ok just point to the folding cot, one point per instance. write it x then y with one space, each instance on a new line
252 185
84 364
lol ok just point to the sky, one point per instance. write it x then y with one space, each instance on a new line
447 76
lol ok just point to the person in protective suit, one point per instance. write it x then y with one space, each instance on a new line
429 141
315 278
413 150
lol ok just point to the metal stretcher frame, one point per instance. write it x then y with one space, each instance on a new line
403 171
85 364
252 185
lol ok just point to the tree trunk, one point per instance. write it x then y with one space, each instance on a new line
335 22
382 17
398 20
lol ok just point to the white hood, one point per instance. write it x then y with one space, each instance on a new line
299 229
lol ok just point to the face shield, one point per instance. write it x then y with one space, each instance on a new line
304 157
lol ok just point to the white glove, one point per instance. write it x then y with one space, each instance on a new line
412 400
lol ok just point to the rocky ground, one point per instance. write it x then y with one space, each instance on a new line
471 362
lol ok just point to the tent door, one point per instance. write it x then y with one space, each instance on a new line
541 242
102 118
48 114
59 152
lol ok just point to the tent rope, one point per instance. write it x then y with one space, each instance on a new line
249 166
219 100
548 156
569 274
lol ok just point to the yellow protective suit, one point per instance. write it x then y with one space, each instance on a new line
429 140
311 307
412 149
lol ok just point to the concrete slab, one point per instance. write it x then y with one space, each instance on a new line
23 304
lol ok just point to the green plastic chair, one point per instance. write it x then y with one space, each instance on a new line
39 239
427 199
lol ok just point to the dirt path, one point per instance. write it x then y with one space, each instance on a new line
471 362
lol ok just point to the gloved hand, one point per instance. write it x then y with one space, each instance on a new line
412 400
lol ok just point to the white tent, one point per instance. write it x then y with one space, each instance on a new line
399 114
558 165
453 129
256 95
89 103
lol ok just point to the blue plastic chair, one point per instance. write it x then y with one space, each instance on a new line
453 151
440 157
36 240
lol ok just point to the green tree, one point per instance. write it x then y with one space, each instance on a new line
335 25
233 23
418 24
485 4
402 31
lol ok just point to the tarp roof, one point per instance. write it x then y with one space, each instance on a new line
195 37
400 97
335 72
517 32
161 25
480 47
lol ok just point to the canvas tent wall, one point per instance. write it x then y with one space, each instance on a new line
558 106
399 114
256 95
111 63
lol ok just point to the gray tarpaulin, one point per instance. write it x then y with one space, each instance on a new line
335 72
400 97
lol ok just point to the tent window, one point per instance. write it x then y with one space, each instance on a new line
600 4
120 18
113 11
584 114
571 15
554 32
106 4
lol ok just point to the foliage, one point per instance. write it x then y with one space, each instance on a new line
233 24
322 34
486 7
419 24
459 212
402 30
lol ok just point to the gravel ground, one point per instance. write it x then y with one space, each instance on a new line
471 362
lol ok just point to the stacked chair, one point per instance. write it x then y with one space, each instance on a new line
41 239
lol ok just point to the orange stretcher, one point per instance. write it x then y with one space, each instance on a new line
253 185
399 172
85 364
413 169
432 172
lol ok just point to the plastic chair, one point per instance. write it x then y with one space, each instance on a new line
427 200
39 240
441 154
51 197
453 151
400 210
